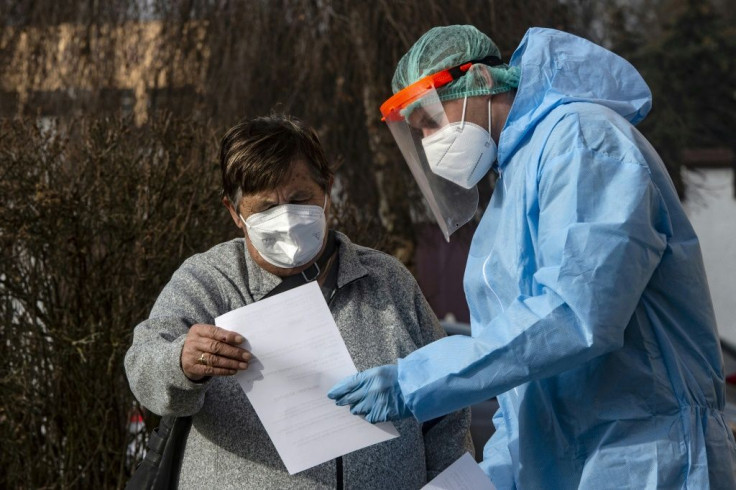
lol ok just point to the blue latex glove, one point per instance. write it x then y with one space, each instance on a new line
374 393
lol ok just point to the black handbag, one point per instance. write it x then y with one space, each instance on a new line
159 469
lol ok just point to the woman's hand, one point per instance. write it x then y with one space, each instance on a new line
212 351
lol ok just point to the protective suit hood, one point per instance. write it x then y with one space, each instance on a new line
556 69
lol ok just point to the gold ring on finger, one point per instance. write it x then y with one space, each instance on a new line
202 360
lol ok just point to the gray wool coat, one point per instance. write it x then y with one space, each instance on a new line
381 315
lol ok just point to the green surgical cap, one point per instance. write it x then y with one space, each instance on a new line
441 48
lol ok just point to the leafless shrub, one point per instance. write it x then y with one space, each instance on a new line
94 219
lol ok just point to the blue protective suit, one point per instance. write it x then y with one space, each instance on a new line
590 312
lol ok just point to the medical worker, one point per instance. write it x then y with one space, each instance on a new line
590 312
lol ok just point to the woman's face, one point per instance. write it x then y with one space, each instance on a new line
298 187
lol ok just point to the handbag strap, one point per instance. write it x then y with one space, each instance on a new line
312 272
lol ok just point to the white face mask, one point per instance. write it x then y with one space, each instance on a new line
461 152
288 235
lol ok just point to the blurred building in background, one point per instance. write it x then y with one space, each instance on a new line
710 176
71 69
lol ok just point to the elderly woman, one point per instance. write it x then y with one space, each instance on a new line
276 183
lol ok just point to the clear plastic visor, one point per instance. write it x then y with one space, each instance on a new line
451 205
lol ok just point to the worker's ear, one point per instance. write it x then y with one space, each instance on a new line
484 72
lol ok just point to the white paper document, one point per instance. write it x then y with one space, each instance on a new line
463 474
298 355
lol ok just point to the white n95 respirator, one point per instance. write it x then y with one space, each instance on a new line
461 152
288 235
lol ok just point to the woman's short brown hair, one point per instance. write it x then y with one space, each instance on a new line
256 155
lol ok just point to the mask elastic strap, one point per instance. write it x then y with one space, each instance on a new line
489 119
465 104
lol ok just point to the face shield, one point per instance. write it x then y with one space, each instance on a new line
415 113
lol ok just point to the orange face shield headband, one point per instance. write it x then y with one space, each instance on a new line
391 109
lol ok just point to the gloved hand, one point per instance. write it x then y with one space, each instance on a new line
374 392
